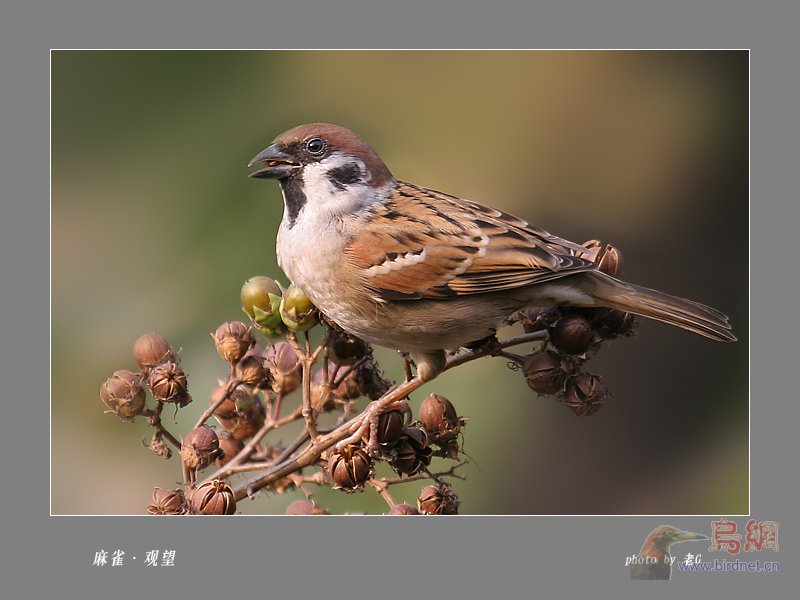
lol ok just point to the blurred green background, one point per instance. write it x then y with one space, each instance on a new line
155 225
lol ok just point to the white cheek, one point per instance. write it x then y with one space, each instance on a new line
323 196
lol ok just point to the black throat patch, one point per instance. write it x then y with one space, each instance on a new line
344 175
293 197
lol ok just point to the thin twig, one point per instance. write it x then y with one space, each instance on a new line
232 384
154 420
313 451
245 453
427 475
380 487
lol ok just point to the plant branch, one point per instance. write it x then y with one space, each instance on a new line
349 429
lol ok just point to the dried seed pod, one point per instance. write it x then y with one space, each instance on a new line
350 468
297 311
411 452
610 323
439 418
159 446
305 507
585 394
232 341
228 406
416 436
572 334
247 418
167 502
346 349
390 426
535 319
284 367
250 371
371 382
545 372
200 448
123 394
404 508
228 447
607 257
404 458
323 396
348 389
150 350
213 498
438 499
168 383
261 301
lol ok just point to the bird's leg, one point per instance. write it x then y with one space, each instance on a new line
429 364
367 427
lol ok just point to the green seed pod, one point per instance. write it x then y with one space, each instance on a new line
297 311
261 301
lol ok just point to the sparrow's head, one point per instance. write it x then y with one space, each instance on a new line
319 152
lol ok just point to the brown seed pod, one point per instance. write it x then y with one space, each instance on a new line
607 257
545 372
284 366
535 319
411 452
324 397
438 499
585 394
439 418
346 349
167 502
123 394
404 508
200 448
609 323
247 418
404 458
250 371
228 447
228 406
151 349
349 468
168 383
232 341
305 507
371 382
213 498
572 334
390 426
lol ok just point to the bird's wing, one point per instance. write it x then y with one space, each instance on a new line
425 244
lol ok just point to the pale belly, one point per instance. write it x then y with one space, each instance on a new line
410 325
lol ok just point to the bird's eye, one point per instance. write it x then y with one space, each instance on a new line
315 146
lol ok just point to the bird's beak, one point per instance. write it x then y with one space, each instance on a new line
279 165
685 536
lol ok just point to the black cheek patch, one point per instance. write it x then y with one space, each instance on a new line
344 175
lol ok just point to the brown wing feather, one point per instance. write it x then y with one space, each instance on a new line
457 248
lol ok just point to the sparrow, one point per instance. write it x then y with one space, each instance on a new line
409 268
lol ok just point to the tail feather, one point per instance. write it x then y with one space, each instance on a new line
687 314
